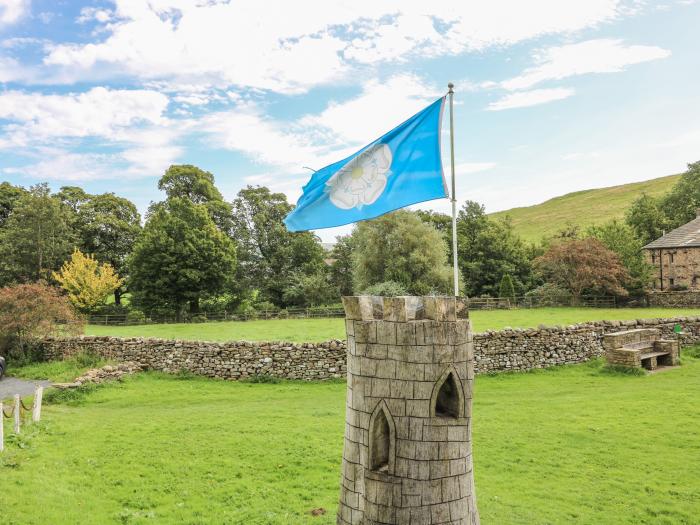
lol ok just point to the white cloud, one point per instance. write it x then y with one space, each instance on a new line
265 140
130 124
591 56
522 99
320 139
12 11
88 14
99 112
381 106
67 166
292 46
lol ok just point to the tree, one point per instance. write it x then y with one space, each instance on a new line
646 219
620 238
583 265
400 247
488 250
190 182
680 205
36 238
506 289
180 257
29 312
341 265
270 255
9 195
87 282
109 226
73 197
310 290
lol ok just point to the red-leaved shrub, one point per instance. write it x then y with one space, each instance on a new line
29 312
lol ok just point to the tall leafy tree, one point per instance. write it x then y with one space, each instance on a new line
271 256
36 238
9 195
646 219
584 265
108 227
180 257
341 265
680 205
198 186
488 249
73 197
620 238
86 281
400 247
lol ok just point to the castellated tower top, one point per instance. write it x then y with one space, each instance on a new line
407 453
406 308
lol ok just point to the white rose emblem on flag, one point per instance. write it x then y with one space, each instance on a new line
362 180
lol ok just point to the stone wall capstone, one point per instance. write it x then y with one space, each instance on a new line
494 351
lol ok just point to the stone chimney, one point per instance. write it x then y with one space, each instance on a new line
407 456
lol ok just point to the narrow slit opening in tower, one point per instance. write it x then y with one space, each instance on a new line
447 403
380 442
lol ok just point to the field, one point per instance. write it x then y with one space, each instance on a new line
582 208
314 330
571 445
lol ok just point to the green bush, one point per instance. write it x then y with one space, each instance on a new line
549 294
135 317
386 289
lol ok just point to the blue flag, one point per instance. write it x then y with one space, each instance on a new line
403 167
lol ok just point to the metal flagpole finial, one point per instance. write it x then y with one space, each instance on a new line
450 87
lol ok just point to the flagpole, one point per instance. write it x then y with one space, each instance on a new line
454 197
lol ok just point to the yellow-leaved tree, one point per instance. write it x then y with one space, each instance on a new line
87 282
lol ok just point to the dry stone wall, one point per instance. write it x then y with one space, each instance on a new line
683 299
232 360
494 351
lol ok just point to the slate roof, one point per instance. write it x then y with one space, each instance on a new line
682 237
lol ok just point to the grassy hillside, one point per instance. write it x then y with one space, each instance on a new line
583 208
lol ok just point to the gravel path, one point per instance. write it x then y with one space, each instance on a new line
9 386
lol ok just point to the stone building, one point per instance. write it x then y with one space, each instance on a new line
407 457
675 258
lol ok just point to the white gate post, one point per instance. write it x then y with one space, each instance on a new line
2 428
17 414
36 409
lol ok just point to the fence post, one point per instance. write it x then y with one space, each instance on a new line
17 413
36 409
2 428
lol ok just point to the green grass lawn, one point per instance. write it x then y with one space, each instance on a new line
314 330
571 445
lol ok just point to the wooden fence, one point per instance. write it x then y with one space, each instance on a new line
475 303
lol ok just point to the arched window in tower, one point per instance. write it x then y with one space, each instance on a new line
381 440
448 399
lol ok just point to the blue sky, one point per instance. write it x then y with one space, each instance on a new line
552 96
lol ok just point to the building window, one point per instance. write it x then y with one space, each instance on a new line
670 282
670 258
653 257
